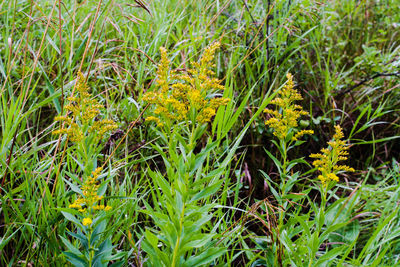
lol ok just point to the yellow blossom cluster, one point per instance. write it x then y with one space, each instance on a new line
284 119
87 204
186 96
87 221
327 161
82 110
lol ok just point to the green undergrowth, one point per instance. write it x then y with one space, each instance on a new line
183 149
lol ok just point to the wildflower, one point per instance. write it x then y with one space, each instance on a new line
206 114
82 111
186 96
284 119
87 221
162 72
102 127
87 204
299 134
327 161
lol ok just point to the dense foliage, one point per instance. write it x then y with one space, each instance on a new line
199 133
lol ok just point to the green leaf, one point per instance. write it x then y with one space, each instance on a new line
75 260
331 229
375 235
314 242
70 217
196 241
330 255
206 257
73 186
81 237
208 191
71 247
117 264
302 221
4 241
161 182
275 160
151 238
103 252
269 181
97 232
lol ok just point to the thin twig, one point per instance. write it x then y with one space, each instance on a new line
126 134
380 74
248 11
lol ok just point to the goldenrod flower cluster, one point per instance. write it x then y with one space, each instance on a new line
87 221
82 110
187 96
87 204
284 119
327 161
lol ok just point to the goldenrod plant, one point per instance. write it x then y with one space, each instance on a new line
284 122
87 204
327 164
88 212
285 118
182 207
82 126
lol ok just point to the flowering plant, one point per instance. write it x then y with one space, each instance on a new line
87 212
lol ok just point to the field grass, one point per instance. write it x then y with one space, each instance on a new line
193 170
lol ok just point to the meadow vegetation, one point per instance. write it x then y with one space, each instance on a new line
199 133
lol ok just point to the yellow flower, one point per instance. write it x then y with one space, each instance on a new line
88 203
102 127
327 161
299 134
184 96
87 221
284 119
82 111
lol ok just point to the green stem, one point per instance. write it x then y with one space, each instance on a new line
91 250
284 157
284 173
324 192
283 146
176 248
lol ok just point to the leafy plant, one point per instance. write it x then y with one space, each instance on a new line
79 125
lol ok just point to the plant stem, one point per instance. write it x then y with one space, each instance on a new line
91 250
175 254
